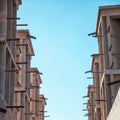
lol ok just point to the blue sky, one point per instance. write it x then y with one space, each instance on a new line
62 50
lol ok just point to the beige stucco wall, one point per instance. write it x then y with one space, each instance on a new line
115 110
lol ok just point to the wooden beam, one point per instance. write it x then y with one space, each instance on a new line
114 82
85 96
34 72
12 39
90 77
84 109
13 18
88 71
21 62
14 106
110 47
94 33
42 111
97 54
22 25
33 37
19 89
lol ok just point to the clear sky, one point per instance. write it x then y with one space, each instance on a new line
63 50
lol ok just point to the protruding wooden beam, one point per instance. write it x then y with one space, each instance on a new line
88 71
21 62
85 96
94 33
34 72
22 25
108 29
47 116
90 77
84 109
11 70
44 98
13 18
110 47
42 111
114 82
93 71
12 39
14 106
97 54
33 37
112 65
20 91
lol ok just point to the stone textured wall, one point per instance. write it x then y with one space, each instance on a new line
9 115
6 115
115 110
2 116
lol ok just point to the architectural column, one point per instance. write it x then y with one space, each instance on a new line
3 19
106 60
2 75
3 34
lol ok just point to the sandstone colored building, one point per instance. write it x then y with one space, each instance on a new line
24 52
28 80
20 97
35 82
91 103
8 66
106 64
42 104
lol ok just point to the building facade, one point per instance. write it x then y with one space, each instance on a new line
8 66
42 104
35 82
91 102
19 83
24 52
106 64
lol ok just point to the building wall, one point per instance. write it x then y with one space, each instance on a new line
96 68
16 52
108 35
8 9
91 102
22 86
42 104
35 82
115 110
